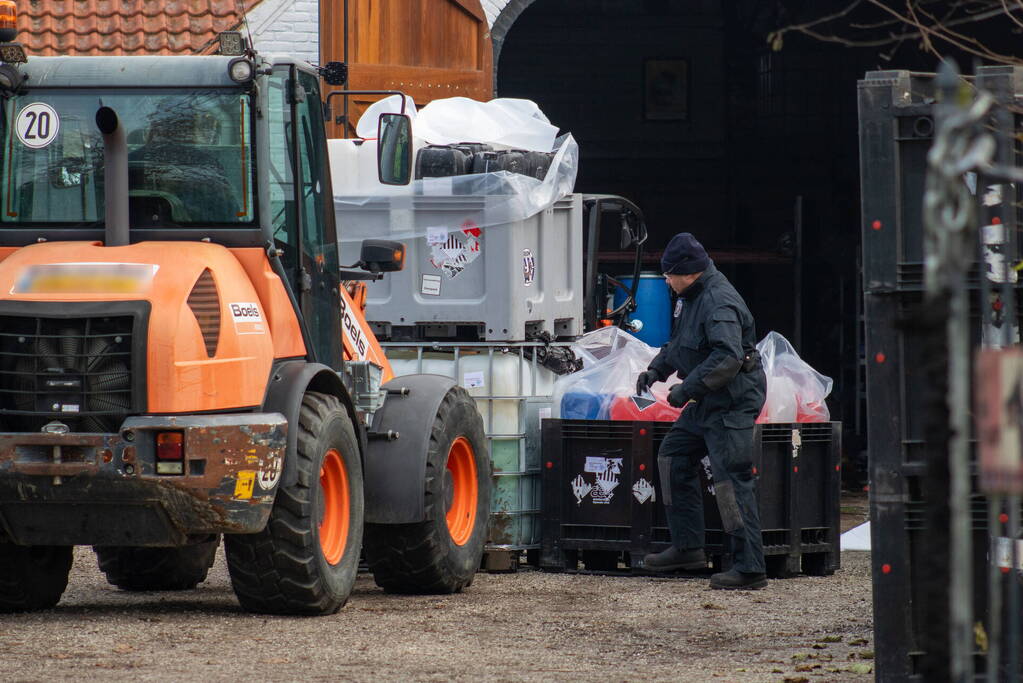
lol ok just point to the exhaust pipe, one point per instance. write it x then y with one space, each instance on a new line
115 191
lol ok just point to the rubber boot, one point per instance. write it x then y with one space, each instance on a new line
673 559
733 579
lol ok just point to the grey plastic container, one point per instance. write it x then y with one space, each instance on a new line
509 282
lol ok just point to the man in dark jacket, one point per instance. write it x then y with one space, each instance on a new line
713 348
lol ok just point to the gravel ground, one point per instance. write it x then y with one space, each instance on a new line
527 626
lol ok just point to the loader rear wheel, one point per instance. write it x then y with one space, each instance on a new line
157 569
441 554
32 577
305 560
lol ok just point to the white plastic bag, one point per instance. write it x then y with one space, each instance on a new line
605 388
504 121
795 391
367 125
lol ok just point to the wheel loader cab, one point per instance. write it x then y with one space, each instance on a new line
300 209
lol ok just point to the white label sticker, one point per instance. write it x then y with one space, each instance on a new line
472 380
708 475
595 464
528 267
431 285
993 196
247 318
37 125
69 408
603 488
545 413
581 488
643 490
436 235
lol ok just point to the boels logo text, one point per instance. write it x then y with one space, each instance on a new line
247 318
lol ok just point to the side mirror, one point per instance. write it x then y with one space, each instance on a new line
394 149
382 256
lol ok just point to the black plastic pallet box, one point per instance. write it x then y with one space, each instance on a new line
601 496
896 123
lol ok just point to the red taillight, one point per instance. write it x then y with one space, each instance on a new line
170 453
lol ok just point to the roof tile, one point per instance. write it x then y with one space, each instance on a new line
111 27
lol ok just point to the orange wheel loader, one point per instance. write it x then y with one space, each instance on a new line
181 356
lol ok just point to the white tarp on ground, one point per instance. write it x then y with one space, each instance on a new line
857 538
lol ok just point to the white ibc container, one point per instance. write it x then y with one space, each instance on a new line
510 281
512 393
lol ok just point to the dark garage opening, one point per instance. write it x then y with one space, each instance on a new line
685 108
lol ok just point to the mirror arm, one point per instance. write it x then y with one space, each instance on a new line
346 93
347 274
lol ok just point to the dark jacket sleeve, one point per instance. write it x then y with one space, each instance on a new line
724 336
660 363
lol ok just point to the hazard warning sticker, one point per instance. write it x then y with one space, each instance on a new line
528 267
244 485
247 318
461 248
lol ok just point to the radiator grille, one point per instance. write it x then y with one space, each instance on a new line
76 370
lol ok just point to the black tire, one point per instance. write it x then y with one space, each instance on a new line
32 577
157 569
423 557
284 569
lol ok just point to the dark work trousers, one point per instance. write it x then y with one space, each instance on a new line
731 454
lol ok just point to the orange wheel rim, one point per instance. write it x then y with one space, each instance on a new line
461 516
334 524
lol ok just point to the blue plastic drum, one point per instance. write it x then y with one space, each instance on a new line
583 405
653 307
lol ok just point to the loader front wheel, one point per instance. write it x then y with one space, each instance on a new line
442 553
157 569
305 560
32 577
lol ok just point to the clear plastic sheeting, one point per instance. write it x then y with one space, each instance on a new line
481 200
795 391
431 206
605 388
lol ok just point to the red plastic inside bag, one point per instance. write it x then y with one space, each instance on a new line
626 408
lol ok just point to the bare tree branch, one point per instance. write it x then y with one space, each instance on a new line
936 24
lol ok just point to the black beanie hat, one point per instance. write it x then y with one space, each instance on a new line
684 256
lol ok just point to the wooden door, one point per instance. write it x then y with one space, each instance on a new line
428 49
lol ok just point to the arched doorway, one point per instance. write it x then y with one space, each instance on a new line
682 106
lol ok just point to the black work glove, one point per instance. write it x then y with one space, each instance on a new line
678 396
646 379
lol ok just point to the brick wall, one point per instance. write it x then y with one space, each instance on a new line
492 8
290 27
